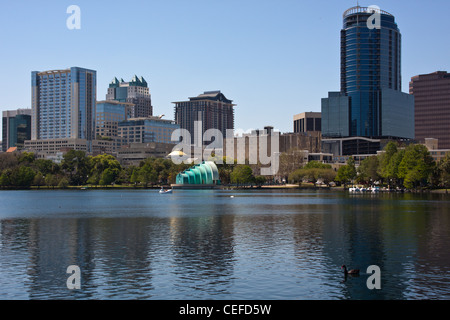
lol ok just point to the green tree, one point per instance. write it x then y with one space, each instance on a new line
162 168
124 175
26 158
93 178
39 179
392 169
104 169
347 173
297 176
8 161
388 163
45 166
225 169
317 165
351 168
260 180
147 174
443 171
326 175
242 174
313 173
416 167
63 183
289 162
76 166
108 177
368 170
310 174
5 179
134 179
51 180
22 176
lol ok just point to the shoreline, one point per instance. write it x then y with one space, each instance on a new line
265 187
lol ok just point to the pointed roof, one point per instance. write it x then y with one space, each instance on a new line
142 80
212 95
114 83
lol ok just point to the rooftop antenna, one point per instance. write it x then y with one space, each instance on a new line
357 16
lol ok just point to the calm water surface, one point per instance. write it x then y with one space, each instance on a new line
138 244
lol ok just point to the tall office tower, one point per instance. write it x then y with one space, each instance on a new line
63 104
16 128
212 108
370 103
136 92
432 107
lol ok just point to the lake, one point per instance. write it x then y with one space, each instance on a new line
217 244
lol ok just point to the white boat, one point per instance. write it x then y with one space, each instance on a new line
162 191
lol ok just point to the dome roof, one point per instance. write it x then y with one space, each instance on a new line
205 173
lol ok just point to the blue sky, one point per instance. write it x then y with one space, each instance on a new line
273 58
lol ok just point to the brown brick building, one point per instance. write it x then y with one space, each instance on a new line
432 107
211 108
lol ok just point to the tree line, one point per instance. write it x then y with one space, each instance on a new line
22 170
411 167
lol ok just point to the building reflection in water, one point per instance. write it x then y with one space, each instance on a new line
114 256
254 246
202 249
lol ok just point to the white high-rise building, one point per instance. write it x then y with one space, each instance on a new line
63 104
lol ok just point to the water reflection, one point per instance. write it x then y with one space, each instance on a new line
207 245
202 249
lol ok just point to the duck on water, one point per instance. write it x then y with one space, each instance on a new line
351 271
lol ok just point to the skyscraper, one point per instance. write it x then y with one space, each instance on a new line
136 92
16 128
63 104
211 108
370 103
432 106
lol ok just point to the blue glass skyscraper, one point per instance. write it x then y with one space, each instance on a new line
370 103
370 61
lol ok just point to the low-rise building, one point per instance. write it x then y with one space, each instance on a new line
248 146
308 121
48 149
145 130
134 153
432 145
